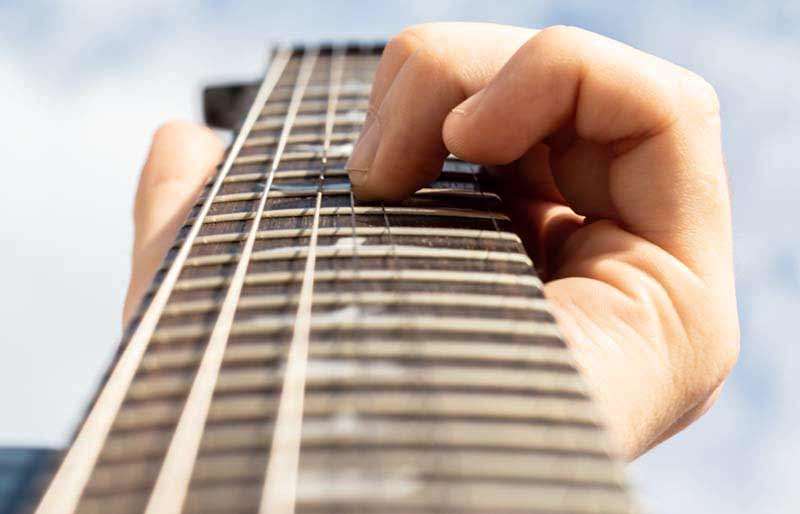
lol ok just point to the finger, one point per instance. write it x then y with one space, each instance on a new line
641 143
544 227
387 155
424 72
529 177
182 157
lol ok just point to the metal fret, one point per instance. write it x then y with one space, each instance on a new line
325 433
398 275
355 232
346 211
369 298
291 156
390 404
344 189
348 321
346 137
272 123
289 174
431 350
421 252
317 106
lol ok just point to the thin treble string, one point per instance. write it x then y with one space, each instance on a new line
172 484
480 190
66 488
485 207
280 482
362 51
354 232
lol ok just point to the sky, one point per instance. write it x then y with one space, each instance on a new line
85 83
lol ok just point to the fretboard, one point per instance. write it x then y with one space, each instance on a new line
301 351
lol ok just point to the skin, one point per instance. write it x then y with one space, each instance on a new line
610 162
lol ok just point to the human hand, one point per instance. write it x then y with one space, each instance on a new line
610 161
182 157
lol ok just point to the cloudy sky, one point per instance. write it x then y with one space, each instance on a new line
84 85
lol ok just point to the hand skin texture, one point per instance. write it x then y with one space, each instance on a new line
610 162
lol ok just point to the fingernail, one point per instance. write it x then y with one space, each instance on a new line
360 160
469 105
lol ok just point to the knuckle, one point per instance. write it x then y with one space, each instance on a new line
701 94
423 33
418 42
557 35
408 40
400 45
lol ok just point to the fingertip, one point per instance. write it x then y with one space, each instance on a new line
455 129
177 128
474 132
180 149
188 135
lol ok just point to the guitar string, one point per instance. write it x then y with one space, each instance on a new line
380 468
353 224
280 481
67 485
172 484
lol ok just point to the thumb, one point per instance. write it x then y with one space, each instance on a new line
182 157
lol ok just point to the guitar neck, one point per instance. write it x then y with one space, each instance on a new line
301 351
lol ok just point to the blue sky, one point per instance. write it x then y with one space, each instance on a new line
85 84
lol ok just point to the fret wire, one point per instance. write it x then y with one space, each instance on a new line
229 237
172 484
67 485
280 482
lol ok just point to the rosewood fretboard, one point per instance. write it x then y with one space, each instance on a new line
303 352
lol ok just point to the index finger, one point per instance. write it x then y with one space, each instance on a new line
424 72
